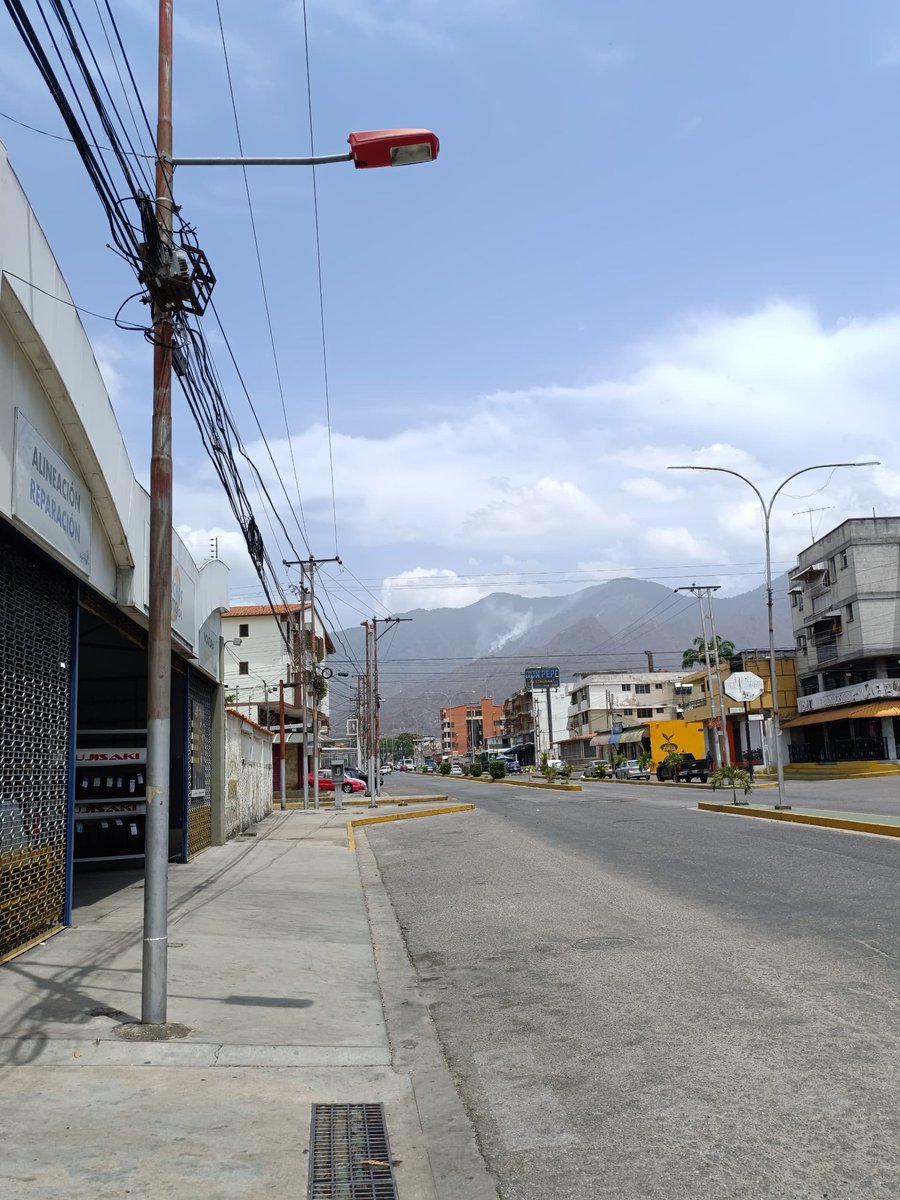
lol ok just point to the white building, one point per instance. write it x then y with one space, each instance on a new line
601 701
264 646
74 595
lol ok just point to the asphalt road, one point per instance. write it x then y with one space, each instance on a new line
641 1000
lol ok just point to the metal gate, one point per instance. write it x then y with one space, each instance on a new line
36 615
199 810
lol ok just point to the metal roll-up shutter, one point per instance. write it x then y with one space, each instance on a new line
36 614
199 814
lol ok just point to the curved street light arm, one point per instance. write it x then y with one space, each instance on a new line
803 470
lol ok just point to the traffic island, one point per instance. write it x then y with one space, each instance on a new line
878 823
441 811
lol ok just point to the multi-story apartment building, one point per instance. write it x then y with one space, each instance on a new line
601 701
466 728
845 610
263 645
529 715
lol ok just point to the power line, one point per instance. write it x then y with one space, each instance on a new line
262 277
315 194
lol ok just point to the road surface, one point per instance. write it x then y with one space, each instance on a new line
641 1000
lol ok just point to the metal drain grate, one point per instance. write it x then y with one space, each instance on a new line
349 1153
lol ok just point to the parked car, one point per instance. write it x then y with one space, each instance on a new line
386 768
589 773
456 769
632 769
556 763
326 783
687 769
513 766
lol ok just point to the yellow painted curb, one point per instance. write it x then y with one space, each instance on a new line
423 812
801 818
547 787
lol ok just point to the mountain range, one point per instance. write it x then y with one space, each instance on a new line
444 656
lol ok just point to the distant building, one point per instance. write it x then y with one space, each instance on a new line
749 727
264 644
845 610
616 705
528 715
466 728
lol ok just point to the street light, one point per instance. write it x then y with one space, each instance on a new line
368 148
767 513
170 293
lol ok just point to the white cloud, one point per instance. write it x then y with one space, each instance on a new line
560 474
434 587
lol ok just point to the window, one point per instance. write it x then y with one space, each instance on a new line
659 710
794 599
800 605
626 687
801 644
645 712
826 578
243 668
642 688
851 616
658 686
843 560
243 631
627 712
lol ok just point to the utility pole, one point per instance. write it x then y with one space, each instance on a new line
281 775
389 623
370 727
721 756
308 566
159 634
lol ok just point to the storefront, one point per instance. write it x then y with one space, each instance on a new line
73 605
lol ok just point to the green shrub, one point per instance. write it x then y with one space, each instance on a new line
445 767
566 771
476 768
601 770
465 768
497 769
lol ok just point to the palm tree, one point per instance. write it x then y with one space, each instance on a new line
696 654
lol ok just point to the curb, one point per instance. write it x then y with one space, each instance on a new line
423 812
547 787
802 818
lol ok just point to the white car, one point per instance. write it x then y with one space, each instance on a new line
556 763
386 768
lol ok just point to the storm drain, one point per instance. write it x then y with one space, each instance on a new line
349 1154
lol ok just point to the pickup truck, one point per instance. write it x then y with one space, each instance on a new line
689 768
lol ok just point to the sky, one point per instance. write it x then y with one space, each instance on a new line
656 234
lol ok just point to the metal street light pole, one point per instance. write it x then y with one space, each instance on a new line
154 967
767 513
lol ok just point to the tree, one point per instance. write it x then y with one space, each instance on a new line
696 654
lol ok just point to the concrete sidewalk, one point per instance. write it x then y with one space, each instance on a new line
273 972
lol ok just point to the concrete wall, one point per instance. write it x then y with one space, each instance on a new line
248 773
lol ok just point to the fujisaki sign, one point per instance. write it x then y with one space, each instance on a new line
49 497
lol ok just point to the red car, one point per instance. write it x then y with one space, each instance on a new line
326 784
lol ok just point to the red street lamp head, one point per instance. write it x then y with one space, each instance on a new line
392 147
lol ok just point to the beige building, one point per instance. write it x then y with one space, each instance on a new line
845 610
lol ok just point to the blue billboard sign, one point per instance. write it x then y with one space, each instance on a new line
542 677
